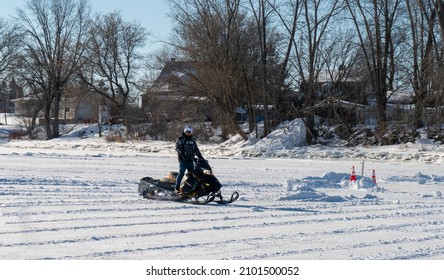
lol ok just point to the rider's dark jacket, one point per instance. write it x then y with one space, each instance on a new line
186 148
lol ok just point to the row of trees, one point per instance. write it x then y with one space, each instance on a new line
52 45
251 54
255 51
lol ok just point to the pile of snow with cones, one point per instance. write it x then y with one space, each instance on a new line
305 189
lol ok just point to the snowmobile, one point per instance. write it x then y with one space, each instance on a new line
199 186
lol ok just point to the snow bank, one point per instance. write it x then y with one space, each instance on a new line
286 141
418 177
288 135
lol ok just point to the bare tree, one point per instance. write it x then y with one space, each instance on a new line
375 21
113 59
422 20
9 42
208 33
235 45
55 36
272 62
262 18
307 26
9 39
428 18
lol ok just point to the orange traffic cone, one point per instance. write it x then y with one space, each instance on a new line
353 175
374 176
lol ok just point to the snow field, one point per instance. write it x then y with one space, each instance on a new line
84 205
75 199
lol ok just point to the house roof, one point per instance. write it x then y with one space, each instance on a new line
174 75
400 96
324 76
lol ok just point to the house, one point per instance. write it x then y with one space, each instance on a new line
74 108
339 96
174 94
400 106
85 108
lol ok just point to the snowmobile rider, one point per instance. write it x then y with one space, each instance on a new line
187 149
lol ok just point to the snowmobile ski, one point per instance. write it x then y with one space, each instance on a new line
212 197
233 198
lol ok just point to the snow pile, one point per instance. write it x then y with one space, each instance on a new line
331 180
362 184
306 193
314 182
84 131
288 135
305 189
419 178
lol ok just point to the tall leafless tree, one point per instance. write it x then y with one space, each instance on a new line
207 32
55 36
262 13
236 49
9 42
307 26
428 84
272 63
422 20
375 21
113 59
9 39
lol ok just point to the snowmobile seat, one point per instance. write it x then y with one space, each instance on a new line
170 177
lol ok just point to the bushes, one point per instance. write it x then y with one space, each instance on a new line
17 134
115 138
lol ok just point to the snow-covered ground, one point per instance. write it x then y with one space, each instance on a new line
76 199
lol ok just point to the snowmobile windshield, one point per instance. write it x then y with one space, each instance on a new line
203 166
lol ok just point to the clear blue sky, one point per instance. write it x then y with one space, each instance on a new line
151 14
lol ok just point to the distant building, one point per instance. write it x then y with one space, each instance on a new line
173 95
339 96
74 108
